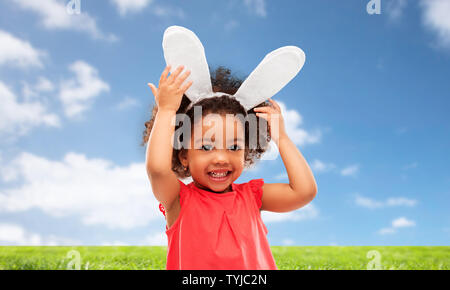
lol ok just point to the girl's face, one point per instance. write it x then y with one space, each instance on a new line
216 156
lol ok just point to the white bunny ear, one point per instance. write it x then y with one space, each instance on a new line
182 47
274 72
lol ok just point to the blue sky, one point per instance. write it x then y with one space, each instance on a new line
369 112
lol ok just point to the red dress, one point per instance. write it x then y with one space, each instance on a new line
219 231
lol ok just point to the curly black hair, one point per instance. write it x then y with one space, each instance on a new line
222 81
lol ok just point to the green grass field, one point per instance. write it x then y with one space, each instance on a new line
287 258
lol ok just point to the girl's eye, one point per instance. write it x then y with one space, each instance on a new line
207 147
235 147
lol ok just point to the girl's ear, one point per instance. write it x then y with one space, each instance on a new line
182 156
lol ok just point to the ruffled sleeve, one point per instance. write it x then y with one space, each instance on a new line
183 188
256 188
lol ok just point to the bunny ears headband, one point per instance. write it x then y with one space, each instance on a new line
182 47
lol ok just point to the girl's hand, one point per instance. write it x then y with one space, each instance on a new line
272 114
170 90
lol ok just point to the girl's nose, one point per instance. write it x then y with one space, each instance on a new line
220 157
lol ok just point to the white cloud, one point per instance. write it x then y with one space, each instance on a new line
367 202
166 11
390 202
96 190
316 165
125 7
54 16
17 118
287 242
77 94
31 92
257 6
130 6
395 9
114 243
319 166
18 52
15 235
400 222
11 234
156 239
127 103
44 85
271 153
305 213
436 18
292 122
351 170
401 201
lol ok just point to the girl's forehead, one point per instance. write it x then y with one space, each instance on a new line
219 123
211 120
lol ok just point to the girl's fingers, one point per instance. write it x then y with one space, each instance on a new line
154 89
186 86
261 109
275 104
182 78
165 73
262 115
175 74
265 109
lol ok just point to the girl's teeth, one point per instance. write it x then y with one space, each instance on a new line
219 174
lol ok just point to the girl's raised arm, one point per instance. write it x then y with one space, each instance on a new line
302 187
168 97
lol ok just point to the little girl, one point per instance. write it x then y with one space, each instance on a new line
212 222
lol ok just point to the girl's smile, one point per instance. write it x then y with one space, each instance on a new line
220 175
